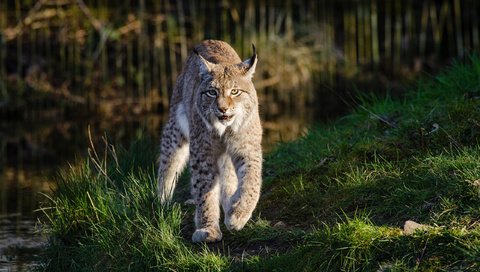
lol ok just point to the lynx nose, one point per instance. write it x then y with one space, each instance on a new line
222 109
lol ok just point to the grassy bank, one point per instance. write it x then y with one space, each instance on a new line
335 200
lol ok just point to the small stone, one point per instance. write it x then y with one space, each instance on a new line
411 226
280 225
190 201
428 206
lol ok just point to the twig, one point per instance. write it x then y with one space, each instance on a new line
378 116
96 23
17 30
96 160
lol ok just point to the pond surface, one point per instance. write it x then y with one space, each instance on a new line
21 238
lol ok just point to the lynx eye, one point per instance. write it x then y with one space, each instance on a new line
235 92
211 93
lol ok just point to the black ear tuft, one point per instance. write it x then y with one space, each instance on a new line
254 57
248 66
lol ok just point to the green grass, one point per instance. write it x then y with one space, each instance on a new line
106 216
334 200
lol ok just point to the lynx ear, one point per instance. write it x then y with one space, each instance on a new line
205 66
249 65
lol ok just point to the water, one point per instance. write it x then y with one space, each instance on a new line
21 239
20 243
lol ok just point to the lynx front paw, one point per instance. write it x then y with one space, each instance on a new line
208 235
236 220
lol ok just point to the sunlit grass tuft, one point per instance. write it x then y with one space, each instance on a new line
105 215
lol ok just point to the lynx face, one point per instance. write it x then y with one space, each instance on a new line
226 95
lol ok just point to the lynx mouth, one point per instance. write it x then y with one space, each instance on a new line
225 118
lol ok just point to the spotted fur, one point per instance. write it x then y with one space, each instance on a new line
214 123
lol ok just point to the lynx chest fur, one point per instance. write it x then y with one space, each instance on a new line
214 125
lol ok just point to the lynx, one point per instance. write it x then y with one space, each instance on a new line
214 123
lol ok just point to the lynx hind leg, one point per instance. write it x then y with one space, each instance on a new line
173 157
229 182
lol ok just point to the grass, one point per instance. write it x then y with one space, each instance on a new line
334 200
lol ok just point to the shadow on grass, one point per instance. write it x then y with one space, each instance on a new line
437 188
